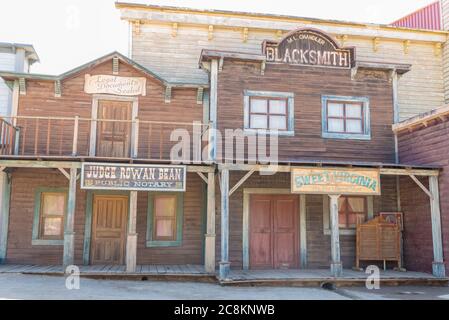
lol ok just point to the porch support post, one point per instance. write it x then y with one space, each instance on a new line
224 263
438 267
5 192
336 265
209 261
131 241
69 234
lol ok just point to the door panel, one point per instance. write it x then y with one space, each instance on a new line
285 231
110 214
113 138
260 237
274 236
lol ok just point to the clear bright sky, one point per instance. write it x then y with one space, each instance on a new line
68 33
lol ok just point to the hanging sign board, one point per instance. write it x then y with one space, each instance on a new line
336 181
121 86
309 47
109 176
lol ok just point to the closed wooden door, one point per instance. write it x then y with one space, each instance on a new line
110 215
274 236
114 137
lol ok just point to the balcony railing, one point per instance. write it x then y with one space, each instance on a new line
101 138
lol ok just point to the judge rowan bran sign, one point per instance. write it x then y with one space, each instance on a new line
309 47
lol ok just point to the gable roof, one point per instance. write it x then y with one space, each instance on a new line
10 76
428 18
31 53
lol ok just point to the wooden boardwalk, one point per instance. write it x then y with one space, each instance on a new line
296 278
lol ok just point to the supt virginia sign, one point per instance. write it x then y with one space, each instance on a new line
109 176
336 181
309 47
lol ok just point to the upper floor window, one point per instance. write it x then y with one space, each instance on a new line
269 112
346 118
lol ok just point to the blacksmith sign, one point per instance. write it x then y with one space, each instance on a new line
309 47
336 181
108 176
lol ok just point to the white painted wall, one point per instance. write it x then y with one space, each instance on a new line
7 63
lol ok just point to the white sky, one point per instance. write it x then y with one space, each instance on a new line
68 33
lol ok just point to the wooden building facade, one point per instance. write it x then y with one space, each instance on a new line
97 175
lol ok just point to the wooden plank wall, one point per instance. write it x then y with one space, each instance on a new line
308 84
40 100
318 244
154 46
428 146
20 249
7 63
445 22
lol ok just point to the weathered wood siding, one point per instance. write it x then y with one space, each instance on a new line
428 146
21 251
154 46
308 85
318 243
445 22
40 100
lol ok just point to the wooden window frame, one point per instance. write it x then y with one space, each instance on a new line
366 121
269 96
151 241
347 212
268 114
37 238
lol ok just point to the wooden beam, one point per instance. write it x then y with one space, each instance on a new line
421 186
69 230
58 89
209 260
202 176
167 95
115 65
203 169
224 263
39 164
22 86
5 192
199 95
67 175
131 239
438 266
407 172
242 181
336 265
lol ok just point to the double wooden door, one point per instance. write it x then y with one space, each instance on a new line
274 235
114 129
109 223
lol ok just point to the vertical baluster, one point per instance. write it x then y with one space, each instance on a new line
25 127
2 140
48 136
150 128
36 136
11 139
75 136
61 135
160 141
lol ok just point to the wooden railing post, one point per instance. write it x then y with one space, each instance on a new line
75 136
69 232
17 141
135 135
224 263
336 265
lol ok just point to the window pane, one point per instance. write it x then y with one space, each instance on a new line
164 228
354 126
52 226
356 204
259 106
278 122
342 220
341 203
354 111
53 204
165 206
335 109
336 125
259 122
278 106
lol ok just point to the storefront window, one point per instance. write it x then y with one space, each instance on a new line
165 211
267 112
49 217
351 210
346 118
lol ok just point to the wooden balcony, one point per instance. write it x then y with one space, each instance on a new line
69 137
